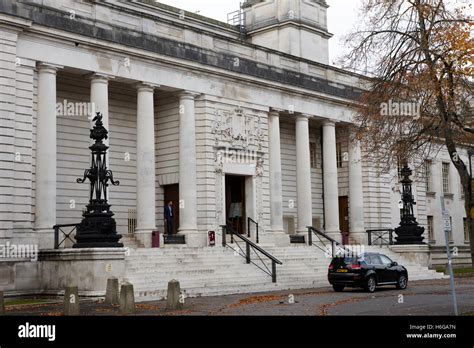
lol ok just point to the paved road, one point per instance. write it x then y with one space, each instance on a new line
420 298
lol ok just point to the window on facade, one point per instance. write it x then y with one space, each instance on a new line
466 230
428 176
462 190
312 154
430 228
339 155
445 178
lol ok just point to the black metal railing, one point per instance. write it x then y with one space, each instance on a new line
249 247
255 223
66 235
383 236
335 247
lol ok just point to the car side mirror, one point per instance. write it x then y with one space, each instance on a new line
394 263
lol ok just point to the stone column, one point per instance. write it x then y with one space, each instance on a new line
276 191
188 172
303 175
145 164
45 200
331 191
356 195
100 99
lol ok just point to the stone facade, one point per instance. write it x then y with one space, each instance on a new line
187 101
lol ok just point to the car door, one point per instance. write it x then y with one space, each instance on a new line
390 272
378 267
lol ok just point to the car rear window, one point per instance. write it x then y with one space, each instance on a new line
347 260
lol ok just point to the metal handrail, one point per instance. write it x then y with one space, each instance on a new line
249 220
248 246
334 244
58 228
380 236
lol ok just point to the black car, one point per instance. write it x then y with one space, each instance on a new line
368 271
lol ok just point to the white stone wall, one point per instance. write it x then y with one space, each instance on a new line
17 139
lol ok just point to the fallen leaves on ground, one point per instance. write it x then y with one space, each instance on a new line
256 299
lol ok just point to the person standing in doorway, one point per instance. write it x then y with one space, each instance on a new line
169 217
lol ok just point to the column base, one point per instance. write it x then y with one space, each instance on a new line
358 237
336 235
144 236
194 238
45 238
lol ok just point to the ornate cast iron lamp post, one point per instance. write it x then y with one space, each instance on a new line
409 232
98 228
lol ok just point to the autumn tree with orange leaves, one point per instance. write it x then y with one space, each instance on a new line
419 56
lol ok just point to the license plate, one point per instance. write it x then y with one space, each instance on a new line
341 270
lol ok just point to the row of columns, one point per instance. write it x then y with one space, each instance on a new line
46 159
45 214
303 178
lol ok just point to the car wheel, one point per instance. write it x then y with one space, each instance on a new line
402 282
338 288
371 284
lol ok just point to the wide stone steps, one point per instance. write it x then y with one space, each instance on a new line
213 271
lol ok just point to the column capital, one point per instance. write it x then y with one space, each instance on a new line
47 67
146 86
188 94
99 77
275 111
303 117
329 123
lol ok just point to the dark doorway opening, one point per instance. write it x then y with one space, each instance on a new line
172 194
235 202
344 218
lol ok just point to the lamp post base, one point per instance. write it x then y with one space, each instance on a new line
97 232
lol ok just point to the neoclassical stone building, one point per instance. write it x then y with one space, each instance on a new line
227 125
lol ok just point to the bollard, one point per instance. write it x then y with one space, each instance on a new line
173 296
112 292
127 299
2 304
71 301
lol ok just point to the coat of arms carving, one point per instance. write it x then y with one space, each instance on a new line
237 128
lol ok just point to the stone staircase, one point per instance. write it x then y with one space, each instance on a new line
131 242
415 271
212 271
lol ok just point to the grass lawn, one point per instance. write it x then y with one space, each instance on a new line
23 301
458 272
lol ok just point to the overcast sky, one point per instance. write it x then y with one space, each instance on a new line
342 15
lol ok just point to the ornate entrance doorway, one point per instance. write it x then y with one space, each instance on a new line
235 202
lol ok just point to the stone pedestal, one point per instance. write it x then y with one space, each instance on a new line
71 301
127 299
112 291
419 254
89 269
173 297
